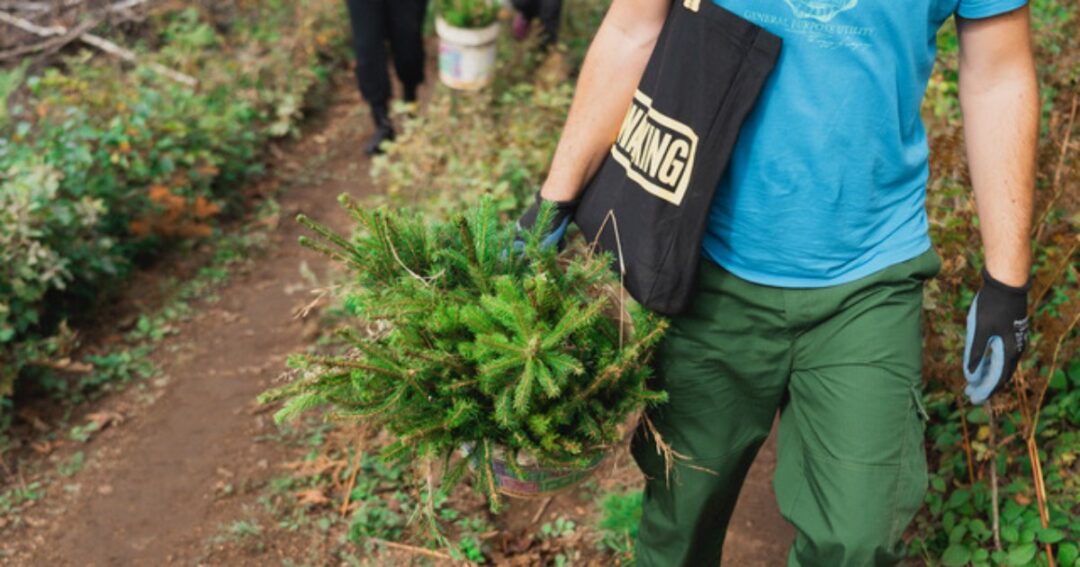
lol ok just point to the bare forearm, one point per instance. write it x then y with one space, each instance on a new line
613 67
1000 102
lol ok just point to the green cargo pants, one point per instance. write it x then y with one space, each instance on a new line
842 366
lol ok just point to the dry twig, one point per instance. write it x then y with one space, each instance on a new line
50 44
411 548
543 507
1058 186
967 447
351 484
98 42
994 502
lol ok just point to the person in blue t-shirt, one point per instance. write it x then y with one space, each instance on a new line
810 293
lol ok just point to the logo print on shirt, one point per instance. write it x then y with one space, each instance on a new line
820 10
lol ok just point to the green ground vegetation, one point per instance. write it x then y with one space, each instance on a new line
1035 425
103 167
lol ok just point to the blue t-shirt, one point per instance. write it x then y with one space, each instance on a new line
827 182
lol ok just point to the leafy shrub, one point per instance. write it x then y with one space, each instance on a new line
105 167
45 238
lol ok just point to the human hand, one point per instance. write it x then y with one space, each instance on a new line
554 233
997 333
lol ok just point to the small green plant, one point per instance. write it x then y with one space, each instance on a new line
14 499
10 80
72 465
620 514
83 433
469 548
561 527
245 532
242 529
469 13
374 518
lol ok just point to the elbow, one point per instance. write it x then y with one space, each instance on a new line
640 37
634 30
1017 76
997 69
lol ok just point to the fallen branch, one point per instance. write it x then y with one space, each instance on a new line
1066 263
129 56
25 6
1040 493
1031 423
411 548
37 6
125 5
353 467
967 448
53 7
994 501
349 488
31 27
1057 186
65 365
543 507
1050 376
50 44
98 42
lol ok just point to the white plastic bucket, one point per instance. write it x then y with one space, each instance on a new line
466 56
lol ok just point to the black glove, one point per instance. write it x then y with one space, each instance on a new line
997 332
555 233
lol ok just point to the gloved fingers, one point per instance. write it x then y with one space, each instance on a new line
997 330
984 380
973 357
528 218
556 236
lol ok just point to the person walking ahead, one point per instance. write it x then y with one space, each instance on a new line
376 23
810 292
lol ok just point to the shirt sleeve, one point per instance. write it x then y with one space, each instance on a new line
974 9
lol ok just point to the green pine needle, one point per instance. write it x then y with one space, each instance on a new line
460 339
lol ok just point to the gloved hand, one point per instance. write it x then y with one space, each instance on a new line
555 233
997 333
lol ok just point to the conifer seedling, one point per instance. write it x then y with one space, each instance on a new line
460 339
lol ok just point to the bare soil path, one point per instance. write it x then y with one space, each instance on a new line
193 450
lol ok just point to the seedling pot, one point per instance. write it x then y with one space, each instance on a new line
466 55
532 480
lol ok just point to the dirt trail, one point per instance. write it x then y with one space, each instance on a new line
165 481
157 493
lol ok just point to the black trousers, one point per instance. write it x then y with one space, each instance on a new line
377 24
548 11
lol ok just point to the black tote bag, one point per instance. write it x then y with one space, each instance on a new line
648 204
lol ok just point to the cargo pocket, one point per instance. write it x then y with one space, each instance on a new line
914 479
643 450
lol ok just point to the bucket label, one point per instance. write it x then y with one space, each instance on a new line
656 151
